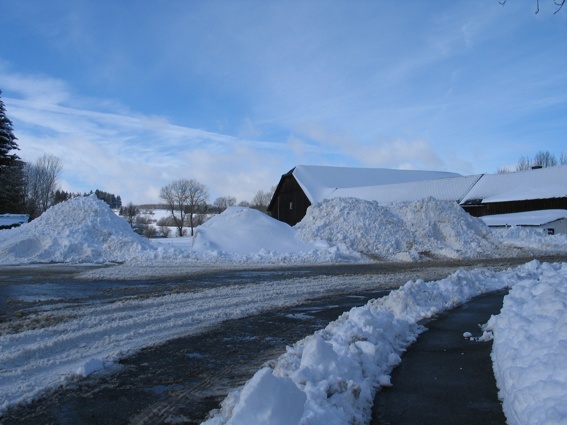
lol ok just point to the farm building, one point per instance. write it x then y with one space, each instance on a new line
308 184
530 190
548 221
479 195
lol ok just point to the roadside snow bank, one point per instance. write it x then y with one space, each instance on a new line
529 351
80 230
336 371
406 231
85 230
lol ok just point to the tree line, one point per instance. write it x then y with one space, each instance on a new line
187 202
541 159
32 187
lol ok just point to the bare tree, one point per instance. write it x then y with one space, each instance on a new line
41 183
183 199
563 158
544 159
262 199
523 163
558 3
223 202
130 212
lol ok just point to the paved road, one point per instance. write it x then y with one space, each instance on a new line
445 378
183 379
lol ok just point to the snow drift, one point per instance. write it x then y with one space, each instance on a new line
529 351
80 230
85 230
331 377
407 231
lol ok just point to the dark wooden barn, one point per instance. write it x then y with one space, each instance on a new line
289 203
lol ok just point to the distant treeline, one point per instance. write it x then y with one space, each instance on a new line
114 201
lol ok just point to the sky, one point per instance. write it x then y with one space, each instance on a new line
132 95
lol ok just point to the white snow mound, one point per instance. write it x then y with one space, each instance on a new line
80 230
247 231
407 231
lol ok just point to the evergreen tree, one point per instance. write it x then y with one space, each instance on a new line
12 197
7 139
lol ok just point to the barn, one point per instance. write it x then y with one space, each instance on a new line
308 184
480 195
529 190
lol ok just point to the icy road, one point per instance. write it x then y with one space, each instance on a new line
75 350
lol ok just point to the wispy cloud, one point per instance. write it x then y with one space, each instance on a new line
133 154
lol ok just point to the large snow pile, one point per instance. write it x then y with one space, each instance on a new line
80 230
248 234
331 377
529 351
405 231
85 230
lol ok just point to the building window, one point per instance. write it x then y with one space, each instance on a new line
291 205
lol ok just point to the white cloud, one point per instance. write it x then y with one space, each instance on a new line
134 155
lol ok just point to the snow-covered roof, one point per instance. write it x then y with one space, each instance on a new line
543 183
320 182
529 218
445 189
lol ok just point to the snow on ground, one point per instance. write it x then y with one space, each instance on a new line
406 231
331 377
72 341
81 230
529 351
85 230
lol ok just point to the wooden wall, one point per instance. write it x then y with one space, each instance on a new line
289 203
479 210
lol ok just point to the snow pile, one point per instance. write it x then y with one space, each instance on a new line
406 231
529 351
80 230
246 234
530 239
337 371
85 230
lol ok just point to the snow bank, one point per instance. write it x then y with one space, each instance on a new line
529 351
339 368
80 230
530 239
85 230
245 234
406 231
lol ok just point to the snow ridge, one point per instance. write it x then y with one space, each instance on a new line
339 369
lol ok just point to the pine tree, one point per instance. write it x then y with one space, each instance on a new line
11 168
7 139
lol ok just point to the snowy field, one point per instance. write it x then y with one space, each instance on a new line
328 377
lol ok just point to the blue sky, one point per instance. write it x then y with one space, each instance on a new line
132 95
